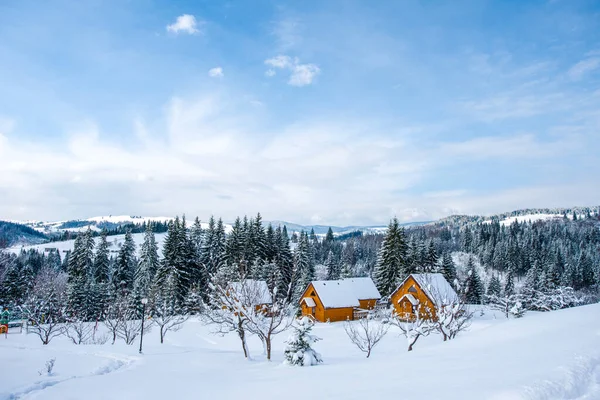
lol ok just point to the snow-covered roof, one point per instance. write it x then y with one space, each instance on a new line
363 288
345 292
309 301
410 298
251 291
436 287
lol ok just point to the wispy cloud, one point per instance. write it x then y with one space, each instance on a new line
216 72
584 67
185 23
287 33
300 74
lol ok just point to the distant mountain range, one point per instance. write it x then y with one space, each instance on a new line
15 233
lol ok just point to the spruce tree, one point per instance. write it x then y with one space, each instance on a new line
494 287
124 268
148 263
333 266
449 269
304 268
473 285
391 265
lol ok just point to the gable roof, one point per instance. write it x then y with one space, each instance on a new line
252 291
363 288
435 286
345 292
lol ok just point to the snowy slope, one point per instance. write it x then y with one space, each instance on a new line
114 241
542 356
529 218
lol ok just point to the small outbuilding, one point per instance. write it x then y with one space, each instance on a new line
339 300
426 293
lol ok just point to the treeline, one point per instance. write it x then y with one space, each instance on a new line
543 256
107 228
534 260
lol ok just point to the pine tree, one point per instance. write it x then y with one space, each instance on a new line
284 261
431 262
509 285
304 267
124 269
148 263
473 286
494 287
333 266
449 269
101 260
329 238
299 349
391 266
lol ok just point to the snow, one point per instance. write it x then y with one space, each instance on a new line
547 356
115 219
256 291
528 218
115 242
310 302
410 298
363 288
345 292
436 287
335 294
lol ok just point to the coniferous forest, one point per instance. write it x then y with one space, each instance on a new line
539 265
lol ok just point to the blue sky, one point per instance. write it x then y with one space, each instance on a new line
337 112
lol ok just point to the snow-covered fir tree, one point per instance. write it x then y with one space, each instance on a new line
392 263
298 350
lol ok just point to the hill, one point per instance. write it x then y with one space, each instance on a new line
12 234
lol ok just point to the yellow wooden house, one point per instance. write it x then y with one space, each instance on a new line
424 293
339 300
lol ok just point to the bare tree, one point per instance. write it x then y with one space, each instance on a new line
453 318
368 331
80 332
45 305
115 316
268 319
129 330
222 311
415 327
165 312
449 313
247 306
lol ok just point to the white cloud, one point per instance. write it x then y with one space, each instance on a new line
582 68
303 74
300 74
281 62
216 72
185 23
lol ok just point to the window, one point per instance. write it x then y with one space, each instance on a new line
412 289
312 293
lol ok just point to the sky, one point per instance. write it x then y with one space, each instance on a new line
340 112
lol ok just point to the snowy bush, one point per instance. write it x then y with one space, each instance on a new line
48 367
298 350
517 310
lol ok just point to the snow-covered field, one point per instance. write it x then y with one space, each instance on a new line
114 242
529 218
542 356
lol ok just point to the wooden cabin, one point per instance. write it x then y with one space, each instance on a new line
250 293
339 300
423 292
